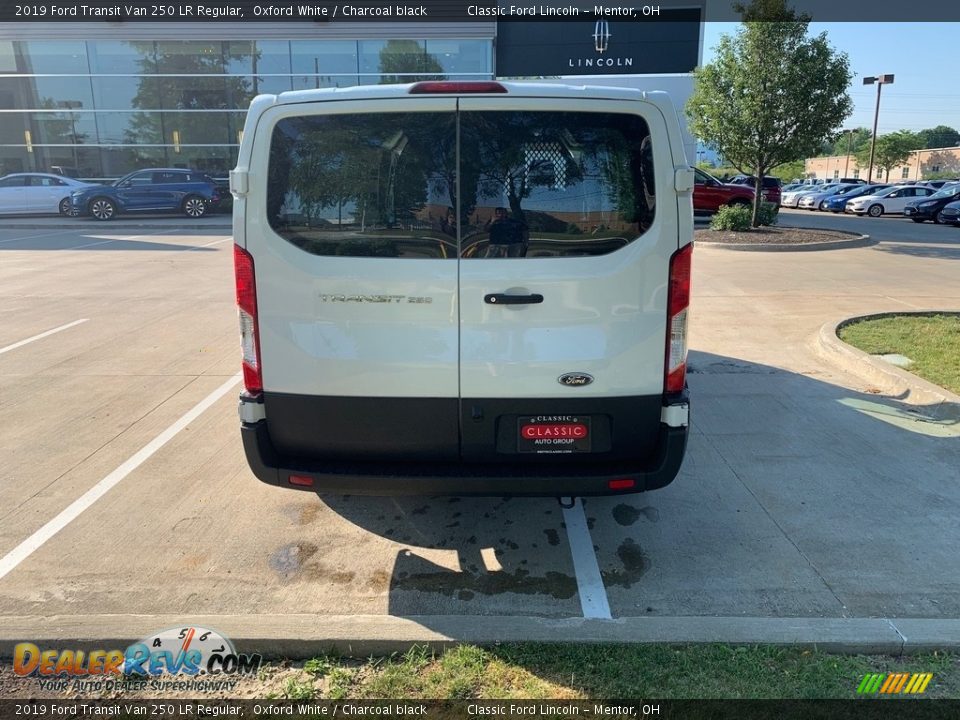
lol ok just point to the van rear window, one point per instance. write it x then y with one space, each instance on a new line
529 184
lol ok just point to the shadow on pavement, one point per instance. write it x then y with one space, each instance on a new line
797 498
94 243
925 251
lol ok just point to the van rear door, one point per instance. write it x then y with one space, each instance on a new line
565 256
356 271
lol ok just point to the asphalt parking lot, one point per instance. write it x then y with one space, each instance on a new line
805 493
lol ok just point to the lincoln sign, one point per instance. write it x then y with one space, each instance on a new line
665 43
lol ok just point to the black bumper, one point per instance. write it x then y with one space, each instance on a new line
461 478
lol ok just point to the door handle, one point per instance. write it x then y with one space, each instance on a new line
504 299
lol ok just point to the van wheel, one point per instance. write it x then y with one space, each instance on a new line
102 208
64 207
194 206
875 210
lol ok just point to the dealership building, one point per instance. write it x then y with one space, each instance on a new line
99 99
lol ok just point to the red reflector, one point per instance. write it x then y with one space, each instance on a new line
439 87
302 480
621 484
554 430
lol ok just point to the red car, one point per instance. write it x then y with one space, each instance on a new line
709 193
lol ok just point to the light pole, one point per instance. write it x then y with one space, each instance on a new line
846 167
880 81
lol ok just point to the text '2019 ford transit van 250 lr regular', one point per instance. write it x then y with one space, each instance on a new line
464 288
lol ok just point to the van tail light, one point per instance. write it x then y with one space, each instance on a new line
678 303
448 87
249 326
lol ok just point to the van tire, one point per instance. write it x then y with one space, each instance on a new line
102 208
875 210
194 206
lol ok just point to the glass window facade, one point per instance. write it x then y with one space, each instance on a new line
106 107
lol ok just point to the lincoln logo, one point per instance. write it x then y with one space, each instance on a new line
601 36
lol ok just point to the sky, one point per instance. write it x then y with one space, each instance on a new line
921 56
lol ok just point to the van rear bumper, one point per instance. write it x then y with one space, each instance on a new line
463 478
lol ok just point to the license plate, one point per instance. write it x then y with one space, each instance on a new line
553 434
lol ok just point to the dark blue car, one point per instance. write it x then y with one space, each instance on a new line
837 203
153 190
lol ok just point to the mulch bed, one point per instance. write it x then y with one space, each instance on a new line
771 236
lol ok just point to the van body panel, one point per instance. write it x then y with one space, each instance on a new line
458 333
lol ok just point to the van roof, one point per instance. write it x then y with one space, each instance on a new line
514 89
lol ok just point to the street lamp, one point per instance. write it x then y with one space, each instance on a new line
880 81
846 167
72 105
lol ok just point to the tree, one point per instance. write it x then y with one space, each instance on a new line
772 95
399 58
939 137
855 139
890 150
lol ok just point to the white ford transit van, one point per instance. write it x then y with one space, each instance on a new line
463 288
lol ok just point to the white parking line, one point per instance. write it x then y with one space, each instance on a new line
31 237
25 549
593 596
113 240
8 348
215 242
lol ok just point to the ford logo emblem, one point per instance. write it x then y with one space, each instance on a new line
575 379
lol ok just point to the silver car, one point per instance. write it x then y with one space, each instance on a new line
789 199
818 200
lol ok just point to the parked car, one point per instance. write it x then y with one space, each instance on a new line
771 186
889 201
153 190
932 207
709 193
837 203
792 198
791 186
359 379
951 214
37 193
818 200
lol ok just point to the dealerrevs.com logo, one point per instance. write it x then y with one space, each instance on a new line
201 659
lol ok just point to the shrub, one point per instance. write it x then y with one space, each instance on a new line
769 213
732 217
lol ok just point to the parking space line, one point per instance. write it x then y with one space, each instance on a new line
25 549
215 242
42 335
593 596
31 237
113 240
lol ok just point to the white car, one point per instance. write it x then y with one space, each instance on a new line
412 323
889 201
36 193
817 200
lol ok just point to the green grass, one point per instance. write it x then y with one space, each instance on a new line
537 671
932 342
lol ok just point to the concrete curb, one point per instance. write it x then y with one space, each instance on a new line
304 636
855 242
941 403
